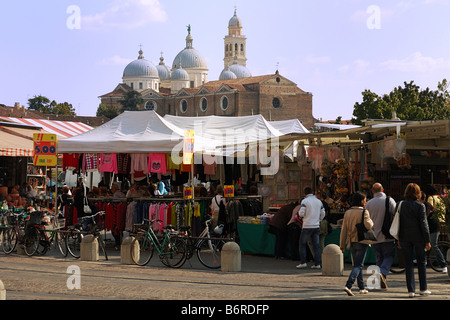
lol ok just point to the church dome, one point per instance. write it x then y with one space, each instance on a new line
227 74
240 71
189 57
163 70
140 68
235 22
180 74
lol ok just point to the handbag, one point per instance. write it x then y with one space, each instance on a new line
363 232
395 226
86 207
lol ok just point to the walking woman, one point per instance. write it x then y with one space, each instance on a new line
414 237
349 239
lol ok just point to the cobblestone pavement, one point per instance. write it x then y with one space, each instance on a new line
261 278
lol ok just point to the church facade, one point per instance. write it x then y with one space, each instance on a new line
184 89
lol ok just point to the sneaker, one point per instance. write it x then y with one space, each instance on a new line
301 266
425 293
412 294
383 283
363 291
349 291
315 267
444 270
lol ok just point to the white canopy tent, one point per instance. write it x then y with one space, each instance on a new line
146 131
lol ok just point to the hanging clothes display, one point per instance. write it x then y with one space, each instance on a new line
108 163
70 161
157 163
90 162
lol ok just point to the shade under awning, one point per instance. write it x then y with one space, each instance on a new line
16 142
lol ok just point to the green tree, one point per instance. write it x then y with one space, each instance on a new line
107 111
131 100
409 102
64 108
39 103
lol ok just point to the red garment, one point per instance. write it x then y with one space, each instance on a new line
70 160
157 163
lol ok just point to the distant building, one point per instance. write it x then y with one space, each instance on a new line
184 89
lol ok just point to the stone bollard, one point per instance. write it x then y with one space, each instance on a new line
89 248
231 257
125 250
2 291
21 249
332 261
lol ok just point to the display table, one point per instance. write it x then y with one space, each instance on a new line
255 238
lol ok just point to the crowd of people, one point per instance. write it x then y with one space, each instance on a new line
304 225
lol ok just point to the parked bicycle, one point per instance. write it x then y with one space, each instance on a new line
208 245
13 230
432 259
39 239
75 234
170 247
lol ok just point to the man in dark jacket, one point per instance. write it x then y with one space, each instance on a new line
278 226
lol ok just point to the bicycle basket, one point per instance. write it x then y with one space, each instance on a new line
36 217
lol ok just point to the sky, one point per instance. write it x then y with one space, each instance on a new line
76 50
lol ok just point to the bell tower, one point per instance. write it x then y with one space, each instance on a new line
235 43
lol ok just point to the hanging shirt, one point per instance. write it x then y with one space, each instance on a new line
108 163
90 163
70 160
157 163
139 162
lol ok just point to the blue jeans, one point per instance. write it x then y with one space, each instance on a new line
312 234
408 249
384 253
358 251
434 243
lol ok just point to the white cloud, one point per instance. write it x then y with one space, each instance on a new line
126 14
416 62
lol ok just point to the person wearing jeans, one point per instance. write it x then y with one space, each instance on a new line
312 213
349 239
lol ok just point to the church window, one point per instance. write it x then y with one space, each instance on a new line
151 105
224 103
203 104
141 86
242 48
276 103
183 106
236 47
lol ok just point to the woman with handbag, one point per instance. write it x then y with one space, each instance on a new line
349 239
414 237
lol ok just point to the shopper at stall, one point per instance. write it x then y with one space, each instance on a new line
115 191
431 200
278 226
381 207
349 239
414 238
215 205
312 213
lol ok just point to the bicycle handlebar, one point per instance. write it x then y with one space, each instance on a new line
92 216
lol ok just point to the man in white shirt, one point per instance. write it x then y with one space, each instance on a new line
312 213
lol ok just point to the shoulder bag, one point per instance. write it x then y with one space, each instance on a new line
363 232
395 226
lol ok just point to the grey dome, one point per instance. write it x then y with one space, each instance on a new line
140 68
226 74
235 22
240 71
189 57
180 74
163 70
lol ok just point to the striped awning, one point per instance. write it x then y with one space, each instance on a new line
16 142
64 129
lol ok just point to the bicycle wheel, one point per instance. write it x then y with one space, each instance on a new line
73 243
209 253
61 244
31 241
175 252
142 250
9 241
433 259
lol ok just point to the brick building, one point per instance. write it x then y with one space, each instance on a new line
184 90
